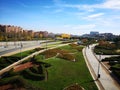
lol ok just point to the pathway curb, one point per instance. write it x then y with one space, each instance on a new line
97 82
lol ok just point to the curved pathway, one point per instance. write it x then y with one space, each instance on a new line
106 80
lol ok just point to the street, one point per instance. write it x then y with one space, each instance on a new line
26 45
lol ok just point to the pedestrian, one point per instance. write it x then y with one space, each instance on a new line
88 46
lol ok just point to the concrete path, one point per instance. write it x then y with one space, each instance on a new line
106 80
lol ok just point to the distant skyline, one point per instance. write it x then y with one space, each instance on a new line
62 16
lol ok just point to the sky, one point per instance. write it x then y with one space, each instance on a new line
62 16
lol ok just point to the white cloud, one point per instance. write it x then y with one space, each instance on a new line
95 15
108 4
111 4
79 7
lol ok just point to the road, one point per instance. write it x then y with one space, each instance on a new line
105 78
26 45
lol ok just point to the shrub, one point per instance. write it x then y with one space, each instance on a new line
66 56
46 65
117 73
115 67
34 69
79 48
27 73
43 64
38 49
117 58
75 46
16 80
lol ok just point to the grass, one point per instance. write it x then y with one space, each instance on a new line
24 54
63 73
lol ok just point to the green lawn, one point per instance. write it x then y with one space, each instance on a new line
63 73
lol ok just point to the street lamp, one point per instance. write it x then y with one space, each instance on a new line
98 73
46 44
21 45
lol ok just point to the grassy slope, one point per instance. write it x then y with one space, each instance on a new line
63 73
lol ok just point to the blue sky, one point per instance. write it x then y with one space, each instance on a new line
62 16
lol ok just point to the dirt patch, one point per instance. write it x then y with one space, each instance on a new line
74 87
6 87
23 66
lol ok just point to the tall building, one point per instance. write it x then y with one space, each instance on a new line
92 33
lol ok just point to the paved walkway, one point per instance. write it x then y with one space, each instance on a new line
107 82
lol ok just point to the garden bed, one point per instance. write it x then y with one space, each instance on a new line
61 72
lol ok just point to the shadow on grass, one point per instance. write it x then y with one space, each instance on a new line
88 81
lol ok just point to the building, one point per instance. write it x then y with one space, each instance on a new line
93 33
65 36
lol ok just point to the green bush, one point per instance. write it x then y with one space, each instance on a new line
110 59
77 47
117 73
105 51
16 80
115 67
27 73
7 60
73 45
46 65
34 69
38 49
4 65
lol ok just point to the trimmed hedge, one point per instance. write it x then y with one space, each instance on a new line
115 67
27 73
117 58
76 46
114 62
7 60
16 80
38 49
105 51
117 73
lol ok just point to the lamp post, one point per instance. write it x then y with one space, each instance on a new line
46 43
21 45
98 73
